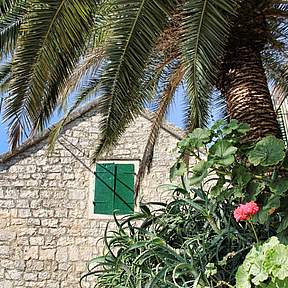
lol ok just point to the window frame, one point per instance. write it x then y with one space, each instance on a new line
91 198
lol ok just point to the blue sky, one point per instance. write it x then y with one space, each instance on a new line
174 116
3 138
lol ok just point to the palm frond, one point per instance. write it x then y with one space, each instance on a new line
53 30
205 33
90 65
13 14
164 101
5 70
81 98
134 36
277 74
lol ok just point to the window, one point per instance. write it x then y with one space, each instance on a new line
114 188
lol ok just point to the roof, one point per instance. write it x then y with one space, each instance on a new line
171 129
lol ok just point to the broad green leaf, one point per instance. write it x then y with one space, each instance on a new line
241 176
200 171
230 127
263 262
234 193
254 188
279 187
196 139
285 161
178 169
199 137
267 152
243 128
283 224
278 284
218 124
273 202
276 262
242 278
223 152
218 188
261 216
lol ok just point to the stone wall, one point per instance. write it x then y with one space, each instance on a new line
47 231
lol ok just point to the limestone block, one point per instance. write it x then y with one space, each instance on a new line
61 213
44 275
7 203
49 222
62 254
36 203
43 213
85 253
37 240
31 252
33 222
4 250
65 241
19 265
18 221
73 253
11 193
65 266
29 194
6 235
6 284
76 194
47 253
30 277
52 284
22 203
24 213
22 241
13 274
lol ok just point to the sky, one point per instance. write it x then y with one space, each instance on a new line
174 116
3 138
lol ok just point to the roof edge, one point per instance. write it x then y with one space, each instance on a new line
170 128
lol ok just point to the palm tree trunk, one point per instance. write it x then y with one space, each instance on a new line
243 81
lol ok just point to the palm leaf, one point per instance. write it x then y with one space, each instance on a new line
175 79
87 68
81 98
5 70
277 74
134 36
205 33
13 14
53 30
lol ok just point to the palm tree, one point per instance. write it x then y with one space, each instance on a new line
139 52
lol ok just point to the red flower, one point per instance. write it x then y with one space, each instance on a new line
245 211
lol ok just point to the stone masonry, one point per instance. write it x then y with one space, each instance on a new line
48 233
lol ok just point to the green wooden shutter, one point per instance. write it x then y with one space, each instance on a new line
124 189
104 188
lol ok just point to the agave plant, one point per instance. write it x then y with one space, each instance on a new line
133 53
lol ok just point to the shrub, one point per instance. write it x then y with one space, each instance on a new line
265 266
194 240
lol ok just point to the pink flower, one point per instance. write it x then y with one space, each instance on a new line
245 211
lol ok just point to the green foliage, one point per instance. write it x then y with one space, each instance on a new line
193 240
190 241
52 53
264 266
267 152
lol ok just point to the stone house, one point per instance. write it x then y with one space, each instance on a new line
51 216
